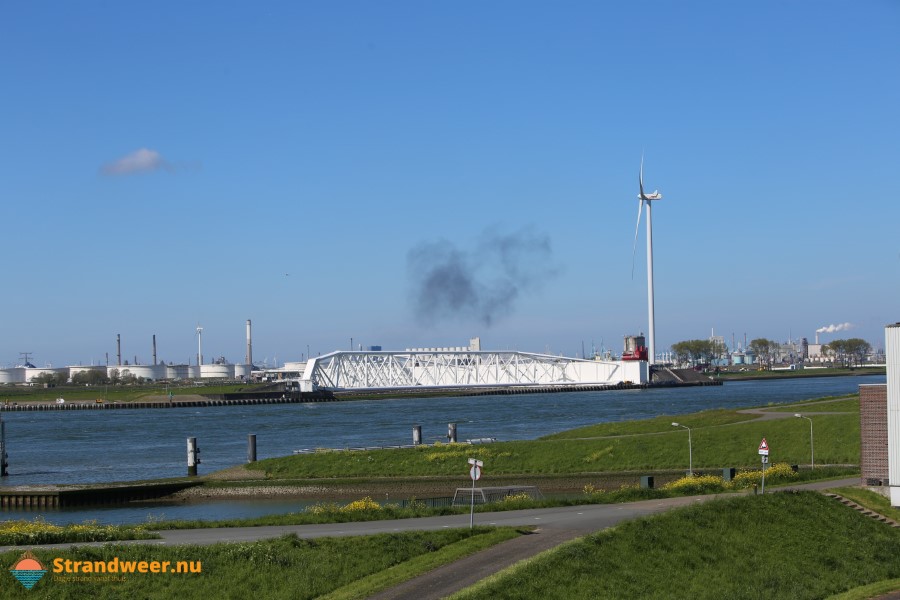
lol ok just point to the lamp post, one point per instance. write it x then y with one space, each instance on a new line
690 448
812 453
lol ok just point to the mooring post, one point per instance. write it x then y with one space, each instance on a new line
193 456
3 462
417 435
251 448
451 433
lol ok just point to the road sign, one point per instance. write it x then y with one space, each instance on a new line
475 471
765 460
763 448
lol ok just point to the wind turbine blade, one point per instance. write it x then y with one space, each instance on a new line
637 226
641 178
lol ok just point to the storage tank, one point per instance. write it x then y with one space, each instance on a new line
217 371
75 370
242 372
193 372
12 375
147 372
177 372
32 372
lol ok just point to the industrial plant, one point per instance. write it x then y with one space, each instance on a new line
156 371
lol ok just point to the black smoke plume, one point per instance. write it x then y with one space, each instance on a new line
481 282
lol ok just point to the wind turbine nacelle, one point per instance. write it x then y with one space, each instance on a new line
654 196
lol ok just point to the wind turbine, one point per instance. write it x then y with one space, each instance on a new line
648 199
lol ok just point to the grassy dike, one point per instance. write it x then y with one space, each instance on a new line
720 438
785 545
115 393
751 373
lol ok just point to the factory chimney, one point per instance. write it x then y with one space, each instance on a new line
249 345
154 349
119 349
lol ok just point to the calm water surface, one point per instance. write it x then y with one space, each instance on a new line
74 447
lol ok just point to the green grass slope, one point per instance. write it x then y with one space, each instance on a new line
289 567
717 441
784 545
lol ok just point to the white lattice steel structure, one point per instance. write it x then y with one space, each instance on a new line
417 369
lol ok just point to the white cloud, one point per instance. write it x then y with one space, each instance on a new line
139 161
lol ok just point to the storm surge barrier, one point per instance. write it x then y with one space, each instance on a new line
340 371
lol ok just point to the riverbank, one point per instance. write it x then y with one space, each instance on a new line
603 456
797 373
246 398
394 489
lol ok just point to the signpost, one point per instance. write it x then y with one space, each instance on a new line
475 474
764 453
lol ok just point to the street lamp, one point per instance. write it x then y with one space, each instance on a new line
690 448
812 454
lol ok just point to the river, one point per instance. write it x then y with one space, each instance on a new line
78 447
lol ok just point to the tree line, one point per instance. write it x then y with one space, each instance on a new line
846 353
89 377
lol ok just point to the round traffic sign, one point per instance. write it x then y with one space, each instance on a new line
475 472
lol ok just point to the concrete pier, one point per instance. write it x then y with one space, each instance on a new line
37 497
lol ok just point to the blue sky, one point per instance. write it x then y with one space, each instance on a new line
173 163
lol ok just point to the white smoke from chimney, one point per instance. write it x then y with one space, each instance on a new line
834 328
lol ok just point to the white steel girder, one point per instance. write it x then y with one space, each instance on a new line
385 370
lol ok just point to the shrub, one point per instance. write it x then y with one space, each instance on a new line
362 505
779 472
515 498
39 531
696 484
324 508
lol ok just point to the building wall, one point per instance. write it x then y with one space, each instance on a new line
892 362
873 449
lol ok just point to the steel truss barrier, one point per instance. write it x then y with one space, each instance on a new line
385 370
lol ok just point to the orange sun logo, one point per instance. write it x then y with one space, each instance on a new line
28 570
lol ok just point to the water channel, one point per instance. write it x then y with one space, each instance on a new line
74 447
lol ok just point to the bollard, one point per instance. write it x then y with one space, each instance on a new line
646 482
251 448
3 462
193 456
417 435
451 433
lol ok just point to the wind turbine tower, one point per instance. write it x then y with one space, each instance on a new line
199 345
648 200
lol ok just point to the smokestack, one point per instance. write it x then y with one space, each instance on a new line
249 345
119 349
154 349
817 337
